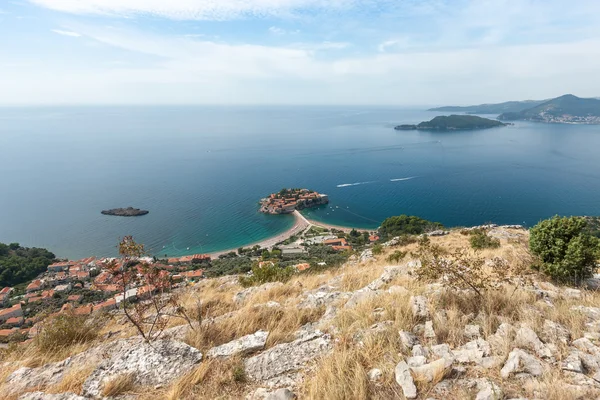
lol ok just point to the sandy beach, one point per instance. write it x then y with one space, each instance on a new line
338 227
300 225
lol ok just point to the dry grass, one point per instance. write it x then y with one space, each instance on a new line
213 379
119 385
73 380
281 323
358 278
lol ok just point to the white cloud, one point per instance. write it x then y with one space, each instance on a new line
195 9
276 31
66 33
182 70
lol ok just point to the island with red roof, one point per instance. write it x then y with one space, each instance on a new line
286 201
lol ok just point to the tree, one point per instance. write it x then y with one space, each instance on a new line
406 225
566 249
150 315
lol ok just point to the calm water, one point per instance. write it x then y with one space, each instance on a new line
201 170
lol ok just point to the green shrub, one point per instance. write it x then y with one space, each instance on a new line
406 225
396 256
480 240
377 249
566 250
267 273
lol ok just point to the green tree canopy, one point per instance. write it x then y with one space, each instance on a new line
406 225
566 249
20 264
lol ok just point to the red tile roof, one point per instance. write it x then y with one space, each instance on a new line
302 267
341 248
7 332
15 321
6 290
35 285
84 310
193 274
8 311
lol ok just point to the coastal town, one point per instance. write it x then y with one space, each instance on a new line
87 286
287 201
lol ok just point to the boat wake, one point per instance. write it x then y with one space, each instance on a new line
403 179
353 184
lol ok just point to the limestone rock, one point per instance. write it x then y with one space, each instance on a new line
431 371
472 332
361 296
241 296
528 339
398 290
488 390
572 293
572 363
503 336
266 394
366 256
405 380
442 351
419 306
407 339
375 375
419 350
244 345
150 365
389 273
429 332
287 357
473 352
281 394
593 313
416 361
521 361
45 396
553 332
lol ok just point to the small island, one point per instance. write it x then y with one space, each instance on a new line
125 212
452 123
286 201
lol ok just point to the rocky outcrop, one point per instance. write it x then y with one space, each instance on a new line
521 361
241 296
125 212
242 346
278 364
149 365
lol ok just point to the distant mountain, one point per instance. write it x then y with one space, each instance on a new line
509 106
563 109
453 122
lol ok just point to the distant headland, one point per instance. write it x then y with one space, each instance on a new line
125 212
453 122
286 201
566 109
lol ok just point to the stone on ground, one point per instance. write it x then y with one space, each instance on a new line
242 346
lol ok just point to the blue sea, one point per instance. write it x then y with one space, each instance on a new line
201 171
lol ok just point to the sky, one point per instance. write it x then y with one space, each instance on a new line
367 52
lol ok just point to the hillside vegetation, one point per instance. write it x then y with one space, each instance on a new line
21 264
430 317
563 105
454 122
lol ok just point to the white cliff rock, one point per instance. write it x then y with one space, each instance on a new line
242 346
